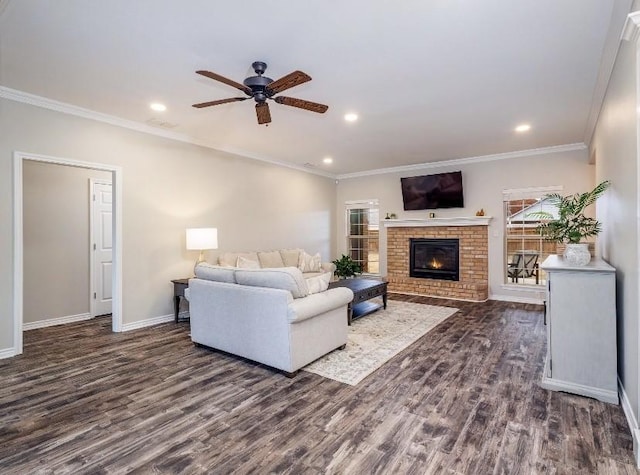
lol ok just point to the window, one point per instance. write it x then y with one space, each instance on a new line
524 248
362 228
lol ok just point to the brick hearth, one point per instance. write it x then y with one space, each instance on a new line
474 261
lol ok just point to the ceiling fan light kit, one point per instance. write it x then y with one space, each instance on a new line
262 88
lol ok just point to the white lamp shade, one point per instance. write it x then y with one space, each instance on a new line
202 238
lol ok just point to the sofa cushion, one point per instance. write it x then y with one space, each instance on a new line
207 271
285 278
270 259
244 263
290 257
230 259
309 263
318 283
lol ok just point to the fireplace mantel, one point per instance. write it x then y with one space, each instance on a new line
459 221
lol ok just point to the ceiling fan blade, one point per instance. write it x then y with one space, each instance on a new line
302 104
218 102
262 111
229 82
286 82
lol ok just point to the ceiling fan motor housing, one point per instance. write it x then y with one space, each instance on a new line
258 85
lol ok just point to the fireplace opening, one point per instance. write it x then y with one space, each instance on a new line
434 259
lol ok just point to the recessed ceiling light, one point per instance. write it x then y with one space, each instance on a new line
523 128
156 106
351 117
327 160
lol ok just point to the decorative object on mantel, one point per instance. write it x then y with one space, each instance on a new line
393 216
571 226
480 213
346 267
432 215
387 216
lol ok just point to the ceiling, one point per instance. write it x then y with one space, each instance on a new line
431 80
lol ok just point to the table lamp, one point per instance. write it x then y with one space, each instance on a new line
202 239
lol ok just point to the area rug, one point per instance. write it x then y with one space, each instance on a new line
376 338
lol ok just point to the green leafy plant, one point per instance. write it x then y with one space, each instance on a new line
346 267
571 225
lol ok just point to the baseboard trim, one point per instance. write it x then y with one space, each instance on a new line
511 298
148 322
631 420
56 321
7 353
554 384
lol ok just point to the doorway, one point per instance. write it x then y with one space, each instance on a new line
116 236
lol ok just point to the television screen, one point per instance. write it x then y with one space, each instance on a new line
442 190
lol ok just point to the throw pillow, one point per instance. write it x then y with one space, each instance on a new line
244 263
319 283
290 257
270 259
309 263
228 259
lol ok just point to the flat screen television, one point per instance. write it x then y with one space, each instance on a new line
442 190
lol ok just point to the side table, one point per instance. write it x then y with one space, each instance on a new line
179 286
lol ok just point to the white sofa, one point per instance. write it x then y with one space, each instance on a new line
267 315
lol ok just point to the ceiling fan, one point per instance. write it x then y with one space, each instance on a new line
261 88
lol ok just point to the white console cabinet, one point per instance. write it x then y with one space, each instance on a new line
581 329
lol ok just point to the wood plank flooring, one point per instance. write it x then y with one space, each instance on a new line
462 399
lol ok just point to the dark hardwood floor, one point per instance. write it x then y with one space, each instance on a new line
462 399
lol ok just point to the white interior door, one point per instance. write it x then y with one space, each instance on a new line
101 247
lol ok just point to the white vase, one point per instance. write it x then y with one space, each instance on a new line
577 254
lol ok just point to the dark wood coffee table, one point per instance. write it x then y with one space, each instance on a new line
363 291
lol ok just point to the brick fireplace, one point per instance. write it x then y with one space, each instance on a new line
472 235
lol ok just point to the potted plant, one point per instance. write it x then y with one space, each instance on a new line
571 226
346 267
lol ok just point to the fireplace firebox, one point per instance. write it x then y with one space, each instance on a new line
434 259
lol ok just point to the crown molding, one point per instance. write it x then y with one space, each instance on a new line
463 161
631 29
65 108
618 23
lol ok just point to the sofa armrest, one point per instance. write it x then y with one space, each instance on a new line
316 304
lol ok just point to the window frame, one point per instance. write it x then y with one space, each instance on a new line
374 224
523 194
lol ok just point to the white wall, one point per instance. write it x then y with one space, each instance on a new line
615 148
483 185
168 186
56 240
